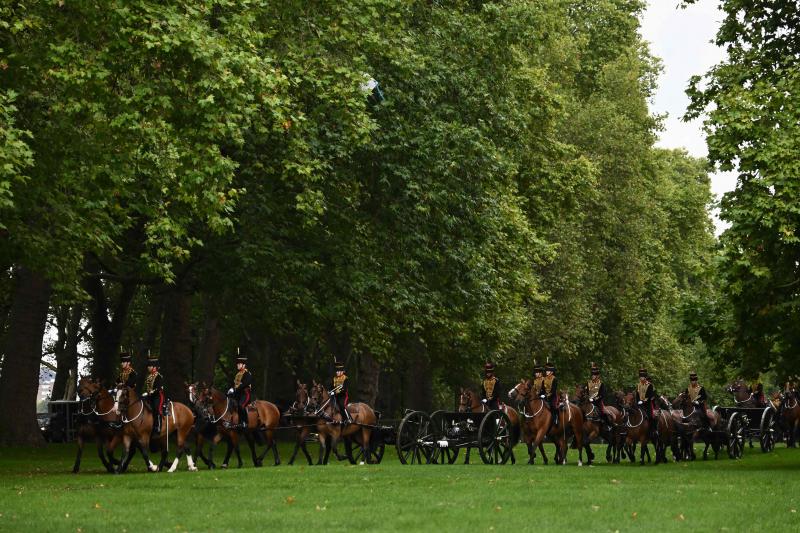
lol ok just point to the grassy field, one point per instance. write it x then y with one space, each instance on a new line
38 493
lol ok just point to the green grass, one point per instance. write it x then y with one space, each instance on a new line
38 492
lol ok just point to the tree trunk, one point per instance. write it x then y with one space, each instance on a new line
106 332
176 341
368 376
67 354
19 382
417 378
145 343
208 351
62 315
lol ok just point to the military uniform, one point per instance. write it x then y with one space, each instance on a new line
340 392
490 387
538 379
549 390
127 376
757 390
597 392
240 391
645 394
696 394
153 390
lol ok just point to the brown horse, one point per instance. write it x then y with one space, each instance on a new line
101 424
331 430
263 418
210 428
301 416
537 423
593 426
138 420
638 430
742 395
469 402
690 415
788 414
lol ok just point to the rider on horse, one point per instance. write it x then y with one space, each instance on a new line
549 390
538 377
696 394
127 375
645 397
339 391
153 389
240 391
757 390
597 392
490 387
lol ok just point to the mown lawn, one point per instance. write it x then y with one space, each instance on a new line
760 492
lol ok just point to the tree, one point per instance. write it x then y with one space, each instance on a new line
751 104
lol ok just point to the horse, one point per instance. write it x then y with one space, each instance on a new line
263 418
101 424
330 429
593 426
210 428
788 414
538 425
639 431
468 402
301 409
690 414
138 420
742 395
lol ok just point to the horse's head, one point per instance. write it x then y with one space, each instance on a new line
680 401
581 393
123 399
317 394
777 398
520 391
466 400
302 399
88 388
627 400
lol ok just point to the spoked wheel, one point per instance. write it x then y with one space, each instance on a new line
441 454
494 438
767 436
414 438
735 432
355 454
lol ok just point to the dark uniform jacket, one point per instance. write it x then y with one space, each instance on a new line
241 385
696 394
127 378
342 392
597 390
550 389
645 394
154 382
490 388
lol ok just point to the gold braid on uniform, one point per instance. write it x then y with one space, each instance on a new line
537 384
238 379
148 383
338 380
488 386
123 375
594 387
694 391
642 389
548 383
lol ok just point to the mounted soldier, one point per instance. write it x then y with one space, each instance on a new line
339 391
645 395
696 394
549 390
490 387
127 375
597 393
240 391
538 378
153 390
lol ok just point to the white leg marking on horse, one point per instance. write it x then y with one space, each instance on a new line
189 460
174 465
152 467
580 463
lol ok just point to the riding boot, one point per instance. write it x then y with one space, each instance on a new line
554 414
156 424
242 418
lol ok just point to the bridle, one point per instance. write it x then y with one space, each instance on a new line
528 399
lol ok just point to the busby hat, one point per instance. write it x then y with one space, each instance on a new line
549 367
537 367
693 375
125 357
642 372
489 366
338 365
595 370
153 361
242 360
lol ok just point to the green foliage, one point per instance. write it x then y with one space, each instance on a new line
750 101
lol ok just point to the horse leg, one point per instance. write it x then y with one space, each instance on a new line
531 453
322 444
272 442
365 444
77 466
298 440
466 457
251 443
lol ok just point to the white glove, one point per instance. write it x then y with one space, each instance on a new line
639 402
543 396
484 400
230 391
145 395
